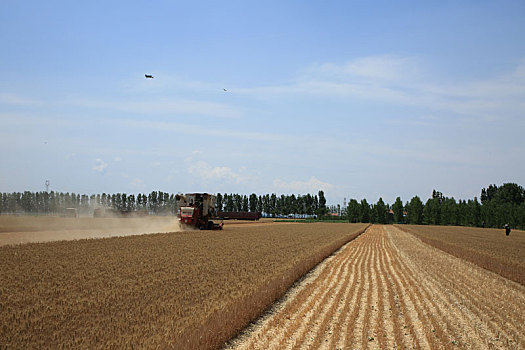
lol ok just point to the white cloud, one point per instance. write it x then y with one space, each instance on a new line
377 68
137 183
199 130
374 77
407 81
162 106
313 185
14 99
100 166
207 173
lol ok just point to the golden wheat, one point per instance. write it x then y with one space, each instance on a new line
487 248
185 289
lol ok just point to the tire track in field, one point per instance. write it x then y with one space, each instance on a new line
387 289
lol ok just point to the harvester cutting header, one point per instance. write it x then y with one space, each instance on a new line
196 210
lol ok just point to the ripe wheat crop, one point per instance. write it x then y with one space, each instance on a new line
181 290
488 248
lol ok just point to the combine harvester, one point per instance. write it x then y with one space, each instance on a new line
196 210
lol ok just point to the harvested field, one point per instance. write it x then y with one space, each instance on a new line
388 290
182 290
28 229
488 248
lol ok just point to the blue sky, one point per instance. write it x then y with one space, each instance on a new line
361 99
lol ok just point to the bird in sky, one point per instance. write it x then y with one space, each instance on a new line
225 89
148 76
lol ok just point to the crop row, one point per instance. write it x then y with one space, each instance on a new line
487 248
388 290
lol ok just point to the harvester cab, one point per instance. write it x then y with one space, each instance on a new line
196 211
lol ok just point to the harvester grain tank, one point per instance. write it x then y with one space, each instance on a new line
197 210
239 215
71 213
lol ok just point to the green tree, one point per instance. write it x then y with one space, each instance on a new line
267 207
365 211
373 214
322 204
415 211
488 194
281 205
131 205
230 205
291 204
273 204
259 208
380 209
26 202
432 211
153 202
219 202
449 212
397 207
510 193
253 202
353 211
245 205
473 217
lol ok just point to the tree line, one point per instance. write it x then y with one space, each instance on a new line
274 205
157 202
499 206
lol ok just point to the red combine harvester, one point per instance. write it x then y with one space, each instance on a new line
196 211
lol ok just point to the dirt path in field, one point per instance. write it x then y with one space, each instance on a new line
388 290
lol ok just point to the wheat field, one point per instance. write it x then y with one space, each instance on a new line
183 289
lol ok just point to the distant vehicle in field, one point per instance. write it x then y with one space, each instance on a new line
196 211
71 213
148 76
239 215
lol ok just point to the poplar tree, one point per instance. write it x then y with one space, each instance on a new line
218 204
398 211
322 204
253 202
380 209
415 211
365 211
352 211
